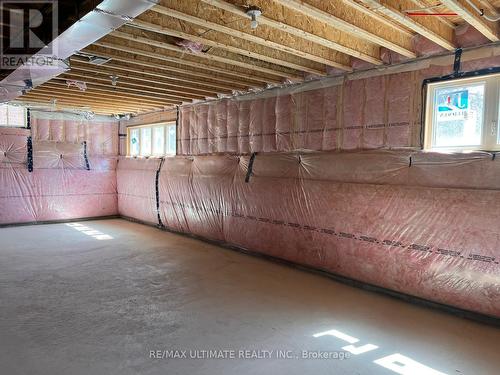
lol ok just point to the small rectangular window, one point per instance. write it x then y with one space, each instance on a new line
463 114
152 140
159 140
171 140
134 142
13 116
145 142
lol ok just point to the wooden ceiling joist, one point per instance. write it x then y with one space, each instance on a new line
238 50
127 78
171 47
140 75
423 6
345 26
157 77
91 100
123 84
81 103
156 69
34 103
59 86
191 67
429 27
186 76
464 10
249 37
115 90
489 7
356 4
263 20
104 83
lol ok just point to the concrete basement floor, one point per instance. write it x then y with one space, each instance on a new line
73 304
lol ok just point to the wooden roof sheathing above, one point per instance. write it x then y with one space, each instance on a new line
180 51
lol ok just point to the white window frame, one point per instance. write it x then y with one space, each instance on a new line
8 125
490 127
165 125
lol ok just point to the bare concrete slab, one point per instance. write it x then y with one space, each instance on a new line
114 297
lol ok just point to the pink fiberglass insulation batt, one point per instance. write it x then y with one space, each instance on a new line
136 189
355 115
63 184
428 229
364 113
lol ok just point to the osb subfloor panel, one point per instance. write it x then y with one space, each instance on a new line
72 304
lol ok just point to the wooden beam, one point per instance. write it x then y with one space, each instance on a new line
485 4
379 18
59 86
44 104
429 27
140 88
71 107
76 104
152 77
224 5
158 66
421 4
162 78
248 37
126 78
202 55
99 100
464 10
235 77
180 34
320 15
79 99
114 90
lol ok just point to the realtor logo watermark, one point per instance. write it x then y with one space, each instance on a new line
27 28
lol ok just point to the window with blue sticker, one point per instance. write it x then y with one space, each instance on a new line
463 114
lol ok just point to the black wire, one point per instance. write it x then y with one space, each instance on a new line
423 105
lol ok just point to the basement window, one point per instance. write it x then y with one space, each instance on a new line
13 116
463 114
152 140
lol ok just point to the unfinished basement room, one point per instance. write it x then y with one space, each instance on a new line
236 187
